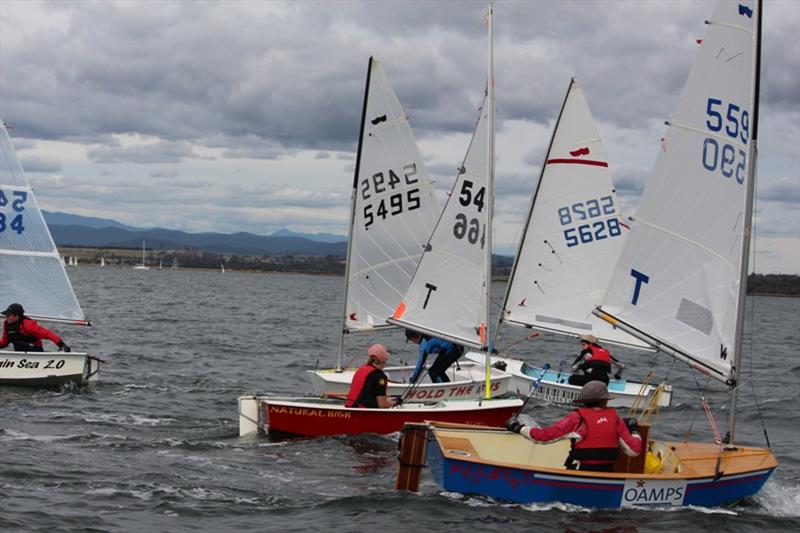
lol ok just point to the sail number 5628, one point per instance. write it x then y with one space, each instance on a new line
14 221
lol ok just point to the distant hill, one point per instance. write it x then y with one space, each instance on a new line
68 219
318 237
164 239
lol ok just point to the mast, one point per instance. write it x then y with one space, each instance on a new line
343 329
530 208
490 208
747 228
144 262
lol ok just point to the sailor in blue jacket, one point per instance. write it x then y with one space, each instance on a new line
448 353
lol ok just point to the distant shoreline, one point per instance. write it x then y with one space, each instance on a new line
781 285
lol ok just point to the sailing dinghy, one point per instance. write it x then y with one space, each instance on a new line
393 212
32 273
317 417
679 285
568 250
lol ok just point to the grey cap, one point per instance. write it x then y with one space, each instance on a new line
592 392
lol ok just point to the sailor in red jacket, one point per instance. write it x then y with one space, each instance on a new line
594 361
24 333
597 432
368 388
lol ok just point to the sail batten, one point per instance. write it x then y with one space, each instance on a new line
572 236
681 271
31 269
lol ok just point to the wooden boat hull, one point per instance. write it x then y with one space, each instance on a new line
459 463
315 417
555 388
467 382
47 369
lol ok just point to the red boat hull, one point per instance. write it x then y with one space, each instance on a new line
318 420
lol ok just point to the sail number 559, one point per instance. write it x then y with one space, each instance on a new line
719 155
14 221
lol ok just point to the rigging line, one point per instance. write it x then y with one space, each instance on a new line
754 256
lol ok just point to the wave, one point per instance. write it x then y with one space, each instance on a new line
779 499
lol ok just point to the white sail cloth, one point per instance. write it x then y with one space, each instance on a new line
446 298
394 209
677 279
31 270
573 234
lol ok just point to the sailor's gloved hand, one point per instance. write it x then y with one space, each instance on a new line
398 400
512 424
633 425
413 379
62 346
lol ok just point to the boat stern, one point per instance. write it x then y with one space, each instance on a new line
249 422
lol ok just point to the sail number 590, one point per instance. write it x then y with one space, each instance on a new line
719 155
17 202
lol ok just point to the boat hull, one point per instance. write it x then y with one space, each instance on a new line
461 468
554 386
47 369
467 382
314 417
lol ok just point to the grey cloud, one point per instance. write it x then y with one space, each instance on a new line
298 75
323 155
628 179
35 163
165 173
22 144
346 156
784 190
158 152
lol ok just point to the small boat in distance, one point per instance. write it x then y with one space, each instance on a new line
102 262
221 268
143 266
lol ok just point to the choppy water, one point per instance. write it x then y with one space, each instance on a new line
155 446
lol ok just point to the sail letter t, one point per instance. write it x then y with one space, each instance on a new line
430 288
640 279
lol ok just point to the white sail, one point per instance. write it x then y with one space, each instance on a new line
573 234
678 277
394 209
31 269
446 296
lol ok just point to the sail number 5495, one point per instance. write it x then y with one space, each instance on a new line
14 221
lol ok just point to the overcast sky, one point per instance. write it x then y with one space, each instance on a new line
244 116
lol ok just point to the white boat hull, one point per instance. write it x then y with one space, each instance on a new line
467 382
47 369
555 388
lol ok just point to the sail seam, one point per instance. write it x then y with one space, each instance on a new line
731 26
682 238
707 134
54 255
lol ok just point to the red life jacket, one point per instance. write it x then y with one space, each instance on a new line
358 384
600 443
600 354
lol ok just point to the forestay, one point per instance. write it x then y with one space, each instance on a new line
394 209
446 297
678 277
573 234
31 270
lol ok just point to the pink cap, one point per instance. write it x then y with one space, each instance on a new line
378 351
